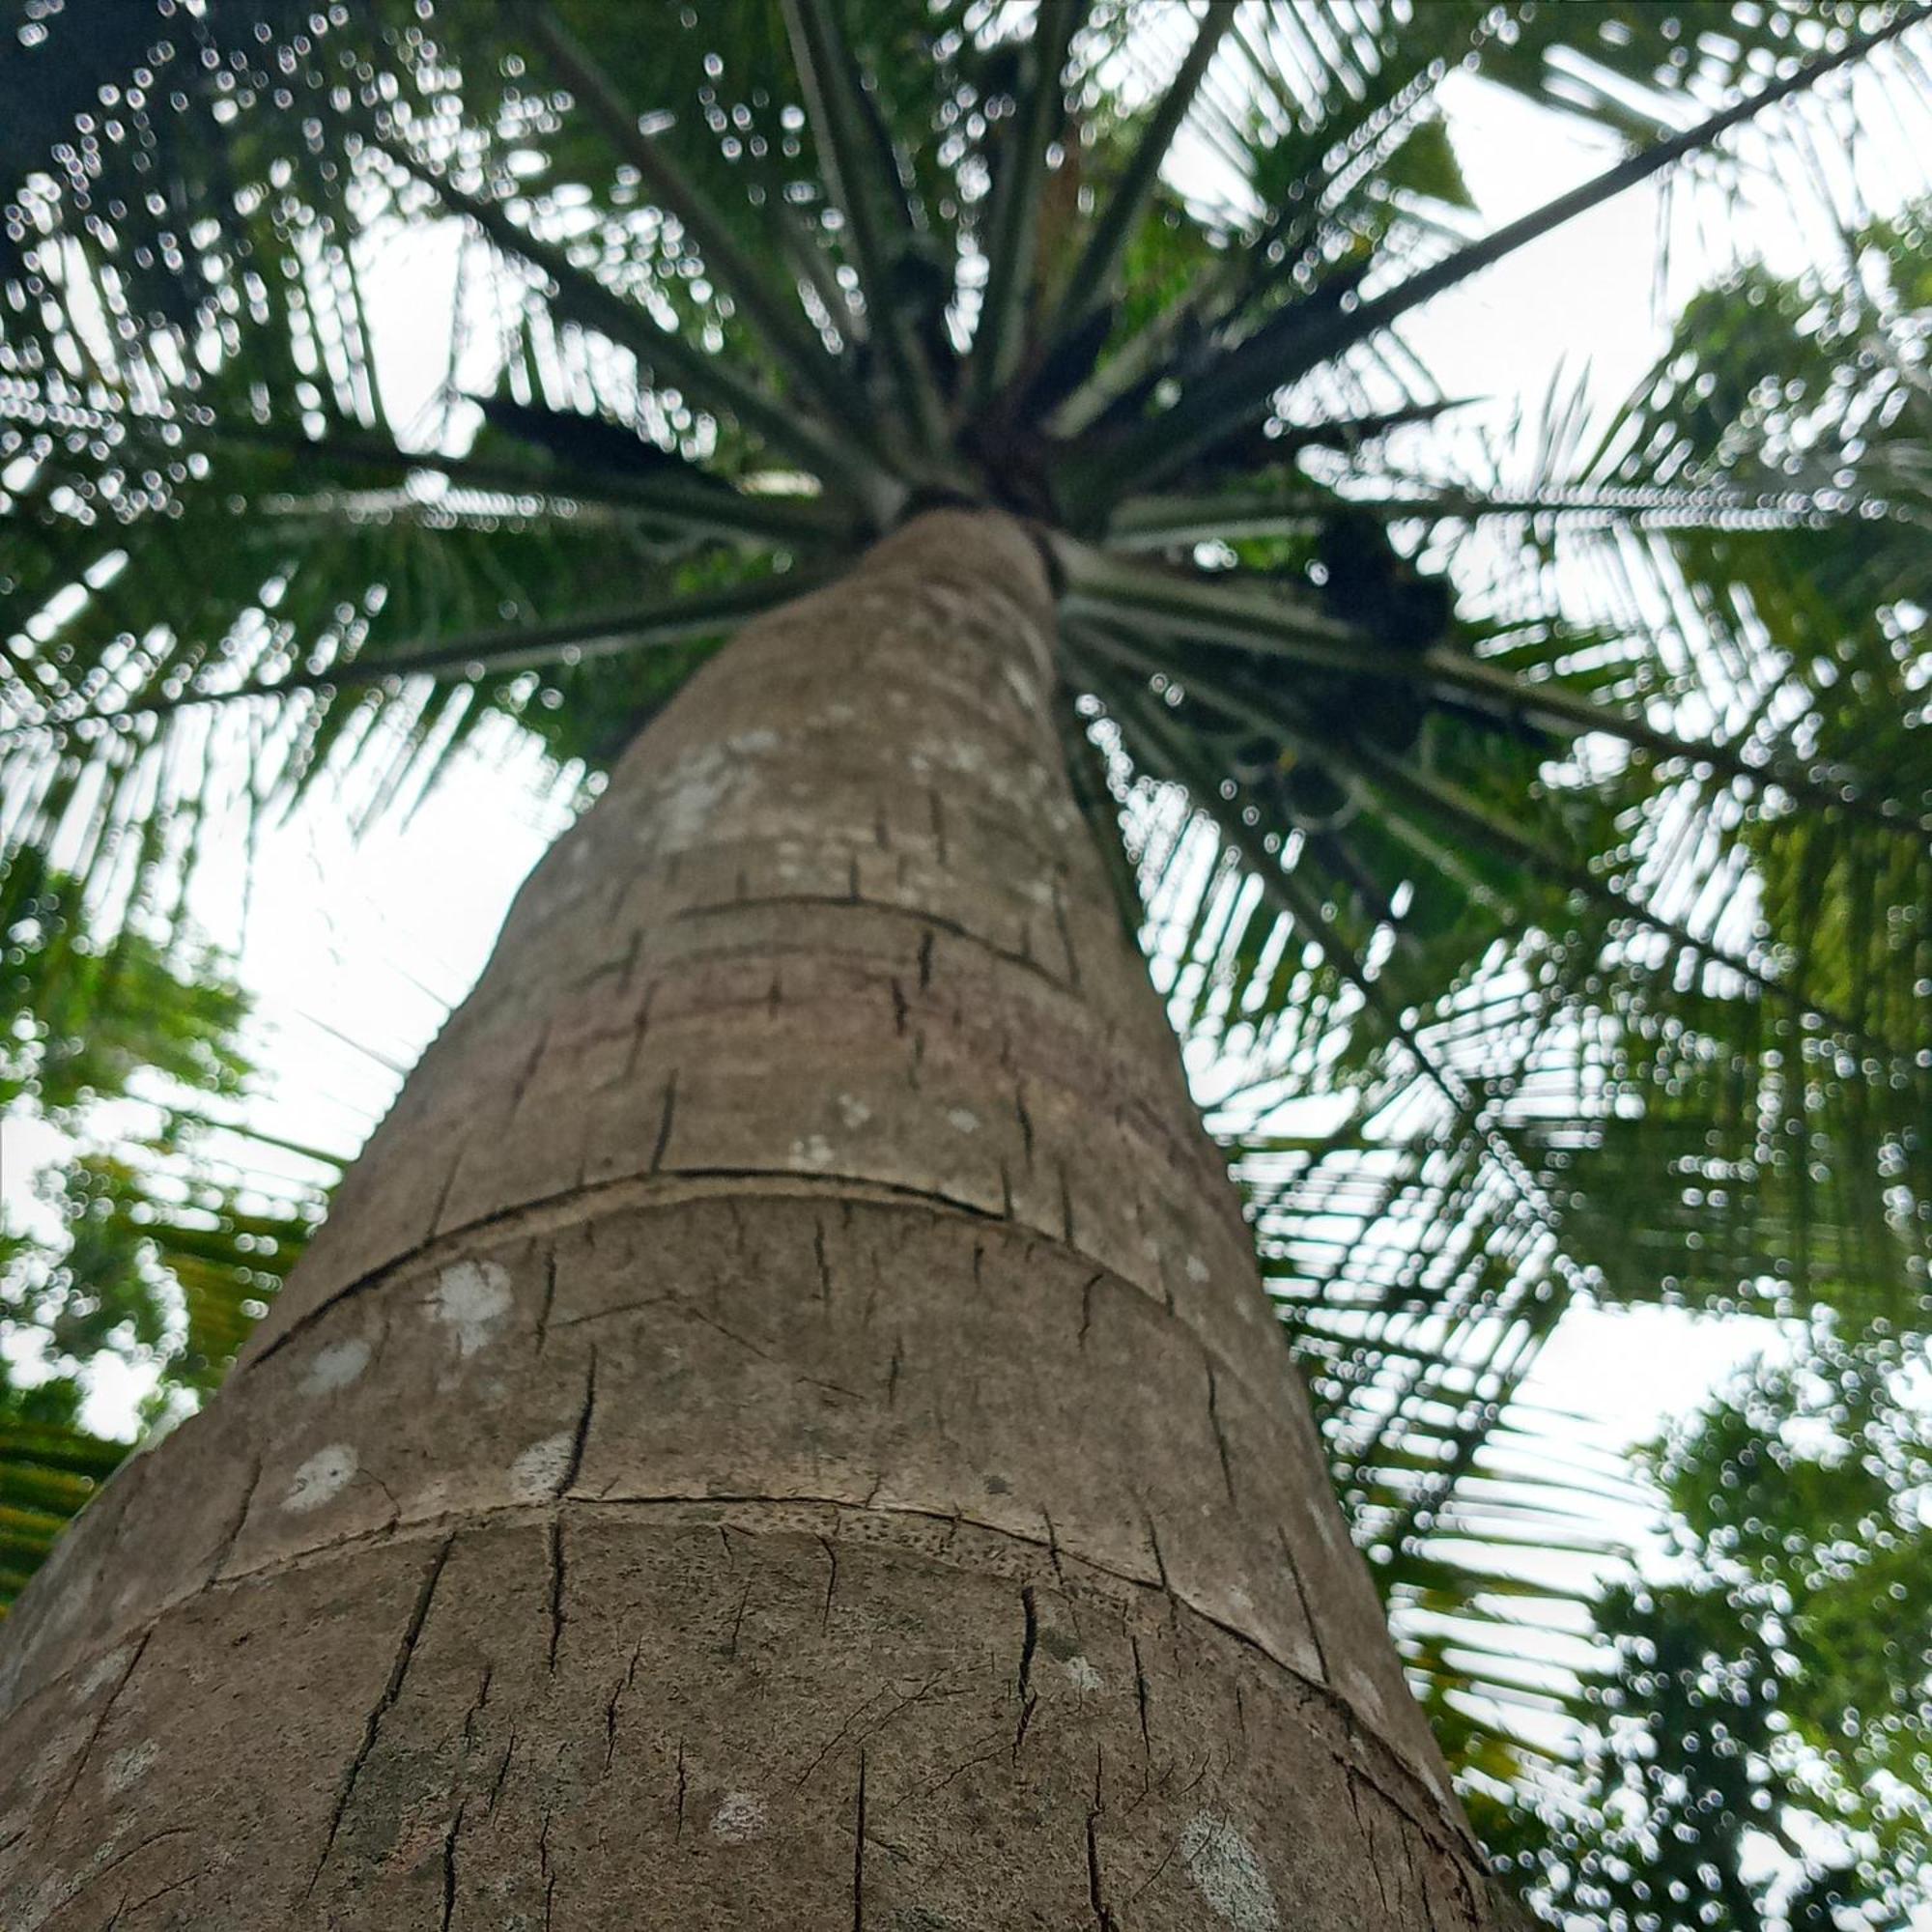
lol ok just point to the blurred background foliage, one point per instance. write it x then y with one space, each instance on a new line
1524 805
1765 1684
142 1246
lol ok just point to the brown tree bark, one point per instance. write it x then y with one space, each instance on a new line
783 1427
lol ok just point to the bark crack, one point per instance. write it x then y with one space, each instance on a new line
1096 1897
824 1267
764 1354
1416 1879
854 1716
992 1747
628 966
581 1435
447 1186
1220 1432
1159 1561
858 1853
399 1669
503 1772
128 1904
836 1739
640 1028
543 1866
232 1534
1053 1546
77 1888
101 1723
449 1868
520 1083
1061 919
549 1298
555 1543
1367 1828
1029 1643
475 1710
617 1697
617 1309
826 1543
1302 1598
1141 1700
663 1124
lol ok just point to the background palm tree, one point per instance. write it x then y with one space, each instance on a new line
1566 915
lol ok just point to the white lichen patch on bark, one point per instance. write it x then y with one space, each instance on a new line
1197 1268
739 1818
538 1474
815 1150
325 1475
963 1120
129 1767
1227 1875
853 1111
335 1366
472 1299
1083 1674
694 788
101 1674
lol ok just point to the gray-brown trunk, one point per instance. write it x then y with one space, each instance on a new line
783 1429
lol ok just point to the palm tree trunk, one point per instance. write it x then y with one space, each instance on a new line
783 1427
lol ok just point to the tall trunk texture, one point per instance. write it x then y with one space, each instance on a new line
783 1429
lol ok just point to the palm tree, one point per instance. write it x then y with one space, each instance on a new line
782 1418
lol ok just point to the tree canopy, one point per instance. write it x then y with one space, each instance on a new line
1531 817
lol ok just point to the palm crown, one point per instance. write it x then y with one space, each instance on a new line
1561 928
